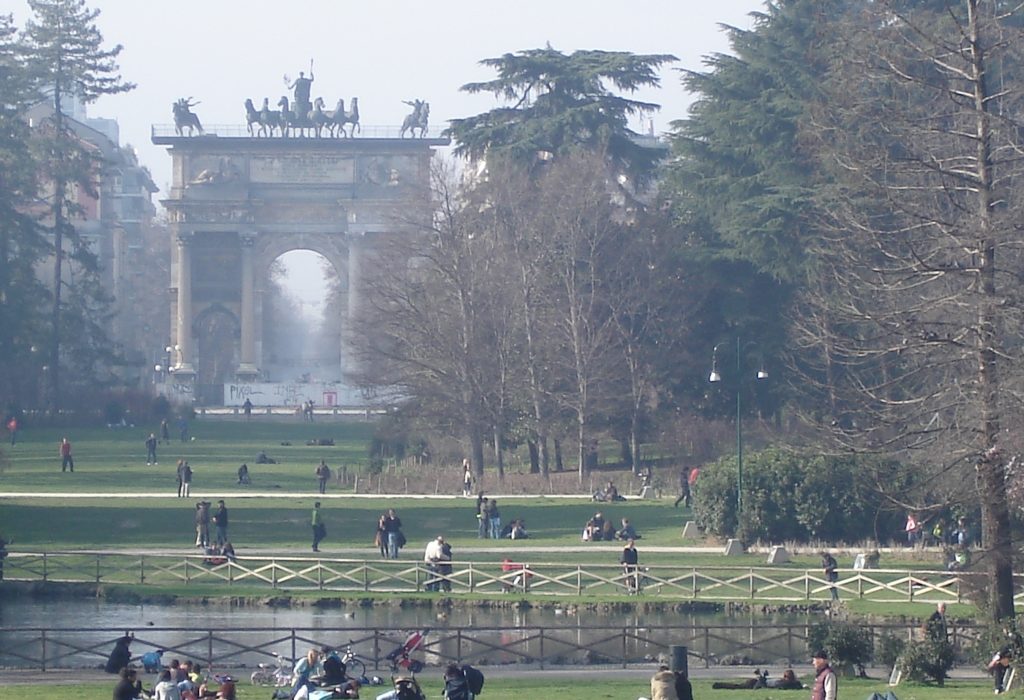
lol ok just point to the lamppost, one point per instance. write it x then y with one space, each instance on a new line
714 378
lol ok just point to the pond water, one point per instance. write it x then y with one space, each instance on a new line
80 632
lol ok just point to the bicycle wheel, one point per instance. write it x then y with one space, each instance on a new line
355 668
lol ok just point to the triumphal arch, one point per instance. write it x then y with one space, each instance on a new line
241 197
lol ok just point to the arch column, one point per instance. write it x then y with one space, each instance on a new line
184 367
247 369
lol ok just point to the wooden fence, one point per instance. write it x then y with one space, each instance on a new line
536 578
240 649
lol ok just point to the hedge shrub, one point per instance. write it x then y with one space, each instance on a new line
793 497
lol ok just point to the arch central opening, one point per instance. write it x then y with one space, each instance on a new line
301 322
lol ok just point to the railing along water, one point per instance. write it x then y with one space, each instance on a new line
541 578
541 647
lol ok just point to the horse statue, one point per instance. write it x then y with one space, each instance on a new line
340 117
269 119
289 119
318 117
184 118
417 120
251 116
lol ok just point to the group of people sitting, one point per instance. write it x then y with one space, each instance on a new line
789 681
215 556
515 530
598 529
321 674
181 680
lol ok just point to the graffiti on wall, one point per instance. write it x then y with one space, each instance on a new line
288 394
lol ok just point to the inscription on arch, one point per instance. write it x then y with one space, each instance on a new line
302 168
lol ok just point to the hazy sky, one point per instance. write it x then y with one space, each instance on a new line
382 51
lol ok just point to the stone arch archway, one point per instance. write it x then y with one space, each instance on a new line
294 344
267 197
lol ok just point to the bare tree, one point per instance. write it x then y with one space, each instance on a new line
919 289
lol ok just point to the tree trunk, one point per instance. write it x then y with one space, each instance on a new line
997 536
498 455
531 445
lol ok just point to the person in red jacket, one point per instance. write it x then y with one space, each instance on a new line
67 463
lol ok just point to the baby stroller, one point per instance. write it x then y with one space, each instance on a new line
406 688
399 657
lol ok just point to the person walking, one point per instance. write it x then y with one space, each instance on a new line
247 409
495 520
392 532
220 521
685 496
482 524
432 555
319 529
165 432
203 524
12 428
829 566
179 473
630 561
151 450
825 685
183 429
467 479
67 462
186 480
323 473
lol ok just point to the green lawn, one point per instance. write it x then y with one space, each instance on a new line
574 688
114 460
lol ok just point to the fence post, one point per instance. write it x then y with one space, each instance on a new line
209 648
707 648
472 581
693 581
319 575
624 651
142 569
42 661
807 585
366 578
910 587
541 645
97 569
45 572
751 580
579 580
186 571
273 581
294 657
458 647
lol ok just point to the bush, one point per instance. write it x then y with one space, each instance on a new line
848 645
791 497
928 659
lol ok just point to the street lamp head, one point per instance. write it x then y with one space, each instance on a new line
168 349
762 373
714 376
158 368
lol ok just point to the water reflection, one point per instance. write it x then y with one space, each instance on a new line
487 635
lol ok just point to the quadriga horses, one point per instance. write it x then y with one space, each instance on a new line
339 118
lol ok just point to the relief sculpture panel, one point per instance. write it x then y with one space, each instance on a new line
302 169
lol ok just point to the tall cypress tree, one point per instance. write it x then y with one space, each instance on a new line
22 244
67 58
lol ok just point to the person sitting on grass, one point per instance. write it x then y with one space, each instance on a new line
243 475
627 532
593 531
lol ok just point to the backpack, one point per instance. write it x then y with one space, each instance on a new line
474 679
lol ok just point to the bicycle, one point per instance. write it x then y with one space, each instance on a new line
267 674
355 667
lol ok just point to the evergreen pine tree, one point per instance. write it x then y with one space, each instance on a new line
67 59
